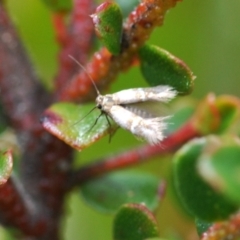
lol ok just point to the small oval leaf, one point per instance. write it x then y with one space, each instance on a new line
108 26
217 114
197 196
221 169
6 165
76 125
134 222
109 192
160 67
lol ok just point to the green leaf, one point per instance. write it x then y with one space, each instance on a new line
160 67
196 195
109 192
202 226
221 169
6 165
59 5
228 107
108 26
75 125
217 114
134 222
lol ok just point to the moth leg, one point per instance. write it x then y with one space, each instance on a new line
110 125
112 133
90 129
111 130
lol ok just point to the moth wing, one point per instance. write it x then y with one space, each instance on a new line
154 129
149 109
135 95
151 129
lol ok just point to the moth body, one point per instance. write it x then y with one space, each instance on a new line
104 103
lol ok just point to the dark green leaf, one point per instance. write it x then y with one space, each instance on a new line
222 171
108 25
134 222
75 125
159 67
202 226
197 196
109 192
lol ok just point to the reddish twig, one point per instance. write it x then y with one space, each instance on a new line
137 29
20 88
18 210
135 156
74 39
45 160
224 230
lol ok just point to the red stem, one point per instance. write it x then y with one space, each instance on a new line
41 174
18 210
104 67
135 156
75 40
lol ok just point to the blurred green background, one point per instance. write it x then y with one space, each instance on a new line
205 34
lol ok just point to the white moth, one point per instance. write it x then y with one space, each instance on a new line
119 107
130 118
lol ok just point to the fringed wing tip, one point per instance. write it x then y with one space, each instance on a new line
172 93
155 127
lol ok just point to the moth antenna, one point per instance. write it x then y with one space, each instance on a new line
81 66
84 116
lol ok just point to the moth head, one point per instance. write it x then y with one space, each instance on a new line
104 103
99 102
